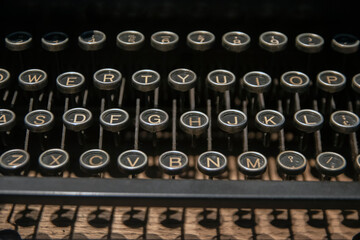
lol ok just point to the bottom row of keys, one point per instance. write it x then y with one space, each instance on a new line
211 163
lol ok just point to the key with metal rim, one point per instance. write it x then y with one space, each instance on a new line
212 163
252 164
54 161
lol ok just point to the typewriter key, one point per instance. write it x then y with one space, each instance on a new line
269 121
4 78
252 163
344 122
294 81
77 119
107 79
92 40
357 164
132 162
173 162
273 41
145 80
33 80
232 121
39 121
7 120
200 40
14 161
355 84
54 161
345 43
309 42
18 41
94 161
194 122
236 41
182 79
54 41
291 163
308 120
220 80
154 120
212 163
70 82
164 41
330 164
130 40
256 82
331 81
114 119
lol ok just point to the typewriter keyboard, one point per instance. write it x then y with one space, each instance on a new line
224 120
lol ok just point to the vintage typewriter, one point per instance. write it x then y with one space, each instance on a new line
180 104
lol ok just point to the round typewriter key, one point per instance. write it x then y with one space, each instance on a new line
212 163
308 120
145 80
132 162
154 120
345 43
273 41
357 164
236 41
291 163
70 82
344 122
130 40
54 41
14 161
4 78
355 84
294 81
164 41
18 41
92 40
194 122
7 120
182 79
252 163
309 42
39 121
173 162
107 79
330 163
94 161
77 119
331 81
54 161
33 80
114 119
256 82
220 80
200 40
232 121
269 121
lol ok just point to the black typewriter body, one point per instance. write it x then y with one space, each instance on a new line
153 186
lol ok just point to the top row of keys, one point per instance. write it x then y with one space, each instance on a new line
165 41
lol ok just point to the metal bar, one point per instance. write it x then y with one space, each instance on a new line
180 193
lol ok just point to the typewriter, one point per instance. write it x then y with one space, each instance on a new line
233 108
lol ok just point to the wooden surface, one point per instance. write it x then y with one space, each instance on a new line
84 222
88 222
